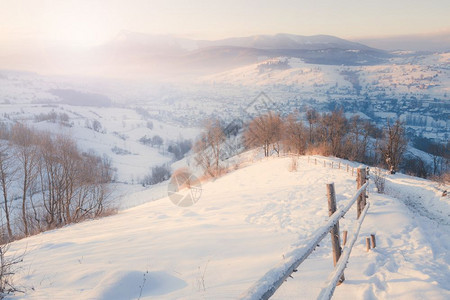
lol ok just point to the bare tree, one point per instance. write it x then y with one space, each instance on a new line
337 131
7 176
295 135
209 147
313 117
393 145
26 154
69 159
357 140
50 179
331 132
265 131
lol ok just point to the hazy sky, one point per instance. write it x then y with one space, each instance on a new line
83 22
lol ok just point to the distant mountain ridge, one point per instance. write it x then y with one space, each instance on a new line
265 42
139 55
287 41
167 52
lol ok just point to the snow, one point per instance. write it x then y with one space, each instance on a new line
245 223
267 285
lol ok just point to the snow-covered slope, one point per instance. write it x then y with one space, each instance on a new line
403 75
118 136
243 224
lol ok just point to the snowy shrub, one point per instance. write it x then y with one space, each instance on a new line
293 164
379 178
121 135
7 271
94 125
120 151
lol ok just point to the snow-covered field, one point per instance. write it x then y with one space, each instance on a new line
244 224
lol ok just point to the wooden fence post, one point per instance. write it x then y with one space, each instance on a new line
360 181
344 239
335 242
367 244
372 238
347 168
339 165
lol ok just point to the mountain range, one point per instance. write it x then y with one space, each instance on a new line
132 54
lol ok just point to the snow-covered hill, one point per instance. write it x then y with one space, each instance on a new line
244 223
402 76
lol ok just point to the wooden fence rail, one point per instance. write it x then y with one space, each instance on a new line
334 277
266 286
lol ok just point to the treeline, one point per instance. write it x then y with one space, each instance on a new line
329 134
49 180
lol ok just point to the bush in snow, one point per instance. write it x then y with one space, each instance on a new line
209 148
293 164
120 151
379 178
7 271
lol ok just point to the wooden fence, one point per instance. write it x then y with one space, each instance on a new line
266 286
332 164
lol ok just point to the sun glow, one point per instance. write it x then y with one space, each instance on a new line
79 29
81 33
73 23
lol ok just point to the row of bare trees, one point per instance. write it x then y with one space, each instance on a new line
49 180
326 134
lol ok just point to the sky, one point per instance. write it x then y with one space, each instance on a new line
93 22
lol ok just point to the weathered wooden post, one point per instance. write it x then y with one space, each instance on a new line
372 238
339 166
335 242
360 180
367 244
347 168
344 239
